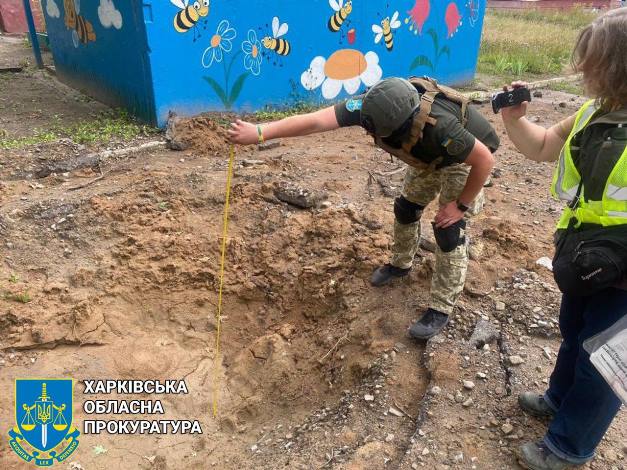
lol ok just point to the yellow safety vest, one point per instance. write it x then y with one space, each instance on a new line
612 208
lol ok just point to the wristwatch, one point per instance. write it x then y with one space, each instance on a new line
462 207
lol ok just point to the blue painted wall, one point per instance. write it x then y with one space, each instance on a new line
102 51
224 54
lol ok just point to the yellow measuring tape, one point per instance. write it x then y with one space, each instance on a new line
225 224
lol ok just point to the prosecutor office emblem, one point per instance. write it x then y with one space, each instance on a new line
43 431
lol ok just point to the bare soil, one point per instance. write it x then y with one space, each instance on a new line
121 262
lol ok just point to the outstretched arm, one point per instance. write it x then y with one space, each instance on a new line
534 141
243 132
481 162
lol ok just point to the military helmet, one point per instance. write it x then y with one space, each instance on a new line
387 106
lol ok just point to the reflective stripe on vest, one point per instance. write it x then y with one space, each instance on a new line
612 209
616 192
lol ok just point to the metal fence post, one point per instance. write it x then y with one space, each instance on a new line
33 33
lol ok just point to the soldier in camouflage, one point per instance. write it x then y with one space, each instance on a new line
448 147
448 278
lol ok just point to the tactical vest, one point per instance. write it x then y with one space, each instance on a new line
429 89
567 185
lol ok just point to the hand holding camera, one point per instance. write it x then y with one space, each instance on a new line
513 102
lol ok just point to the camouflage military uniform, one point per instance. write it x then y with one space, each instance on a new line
448 279
445 144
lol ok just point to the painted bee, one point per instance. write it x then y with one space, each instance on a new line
82 30
275 43
341 13
189 15
386 30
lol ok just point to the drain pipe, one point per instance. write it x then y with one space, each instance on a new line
33 33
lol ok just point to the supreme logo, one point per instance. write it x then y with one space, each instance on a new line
591 275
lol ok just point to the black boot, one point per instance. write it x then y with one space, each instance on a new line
431 323
384 274
534 404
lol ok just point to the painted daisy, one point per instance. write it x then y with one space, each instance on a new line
220 41
252 53
347 68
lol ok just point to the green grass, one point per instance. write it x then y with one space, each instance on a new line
271 114
22 298
115 124
529 42
575 88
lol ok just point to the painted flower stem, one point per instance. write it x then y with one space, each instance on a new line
228 95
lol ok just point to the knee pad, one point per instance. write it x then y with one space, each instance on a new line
407 212
450 237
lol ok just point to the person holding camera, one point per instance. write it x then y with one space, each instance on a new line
448 148
590 263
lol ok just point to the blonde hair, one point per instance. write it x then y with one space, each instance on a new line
601 55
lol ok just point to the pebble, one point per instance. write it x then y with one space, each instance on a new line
254 448
516 360
481 375
483 334
469 385
369 397
459 398
507 428
546 351
435 390
395 412
269 145
499 306
537 94
610 455
247 163
425 451
545 262
389 438
467 403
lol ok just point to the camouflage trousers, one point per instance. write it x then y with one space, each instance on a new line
421 188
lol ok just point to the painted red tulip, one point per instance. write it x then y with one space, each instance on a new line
452 18
419 14
351 36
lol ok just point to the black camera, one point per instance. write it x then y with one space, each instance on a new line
510 98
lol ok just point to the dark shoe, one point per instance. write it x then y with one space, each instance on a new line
431 323
536 456
384 274
535 405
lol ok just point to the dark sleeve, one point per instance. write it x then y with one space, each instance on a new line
348 113
455 142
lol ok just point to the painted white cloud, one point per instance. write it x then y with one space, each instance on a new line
109 15
52 9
